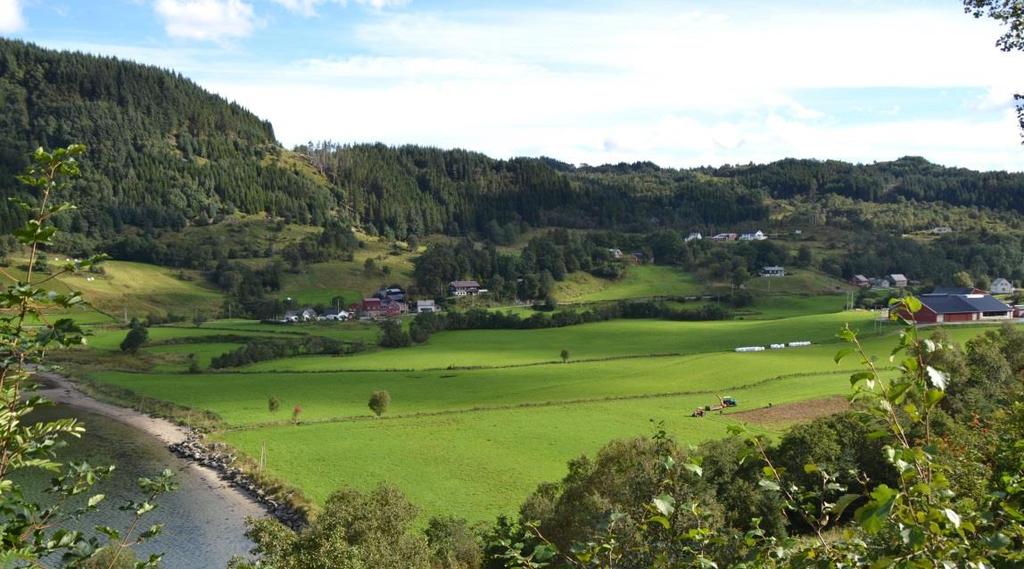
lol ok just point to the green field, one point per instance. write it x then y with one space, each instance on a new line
144 289
602 340
474 442
640 281
800 281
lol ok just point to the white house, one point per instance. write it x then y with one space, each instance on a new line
773 271
695 236
898 280
755 236
424 306
335 315
1001 286
304 315
463 288
616 253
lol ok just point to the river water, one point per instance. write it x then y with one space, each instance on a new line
204 526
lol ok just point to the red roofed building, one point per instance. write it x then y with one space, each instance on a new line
950 308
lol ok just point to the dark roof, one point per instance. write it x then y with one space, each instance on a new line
464 284
952 290
959 303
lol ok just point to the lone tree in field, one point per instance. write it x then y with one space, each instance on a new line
273 404
198 319
193 364
379 402
565 356
136 338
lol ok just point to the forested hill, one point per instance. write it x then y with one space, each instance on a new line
417 190
909 178
162 151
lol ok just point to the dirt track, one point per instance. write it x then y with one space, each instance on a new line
789 413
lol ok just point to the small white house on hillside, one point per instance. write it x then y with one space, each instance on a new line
335 315
425 306
1001 286
773 271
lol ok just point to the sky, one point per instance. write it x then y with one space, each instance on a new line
587 81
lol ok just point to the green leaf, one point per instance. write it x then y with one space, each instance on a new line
662 521
842 353
953 517
694 468
860 376
95 500
769 485
938 378
872 515
842 503
665 504
913 304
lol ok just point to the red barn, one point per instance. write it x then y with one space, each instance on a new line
942 308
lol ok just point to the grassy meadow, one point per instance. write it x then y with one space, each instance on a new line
479 418
640 281
135 289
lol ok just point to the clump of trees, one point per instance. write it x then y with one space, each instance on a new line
136 337
425 324
352 531
262 349
379 402
532 274
393 336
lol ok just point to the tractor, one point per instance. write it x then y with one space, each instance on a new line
723 402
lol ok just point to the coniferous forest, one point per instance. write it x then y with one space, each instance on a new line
165 154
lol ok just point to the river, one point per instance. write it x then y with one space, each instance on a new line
204 524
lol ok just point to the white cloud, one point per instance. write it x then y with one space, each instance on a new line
678 88
206 20
11 19
308 7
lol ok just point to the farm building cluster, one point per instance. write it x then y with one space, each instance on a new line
998 286
312 315
895 280
389 301
636 256
755 236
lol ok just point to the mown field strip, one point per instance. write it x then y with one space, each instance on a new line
714 393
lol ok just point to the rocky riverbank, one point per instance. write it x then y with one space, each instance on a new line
213 460
218 457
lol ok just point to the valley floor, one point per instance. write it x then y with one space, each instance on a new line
479 418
